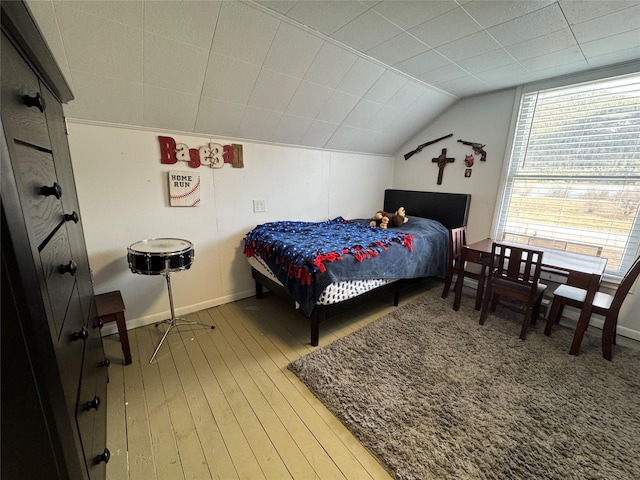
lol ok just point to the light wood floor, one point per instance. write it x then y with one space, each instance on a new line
222 404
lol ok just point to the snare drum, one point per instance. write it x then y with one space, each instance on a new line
158 256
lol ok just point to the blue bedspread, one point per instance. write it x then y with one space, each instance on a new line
308 256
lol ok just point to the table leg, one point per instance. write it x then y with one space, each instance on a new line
585 315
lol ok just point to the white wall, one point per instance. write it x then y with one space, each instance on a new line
123 194
483 119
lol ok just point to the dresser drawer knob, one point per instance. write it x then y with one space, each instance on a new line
68 217
95 404
83 334
105 363
71 267
103 457
35 101
55 190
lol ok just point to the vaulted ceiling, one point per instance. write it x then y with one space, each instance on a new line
352 75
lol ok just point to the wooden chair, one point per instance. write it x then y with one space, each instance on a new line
514 273
603 304
457 239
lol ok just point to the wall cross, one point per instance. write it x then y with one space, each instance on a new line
442 162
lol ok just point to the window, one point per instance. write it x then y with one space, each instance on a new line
573 178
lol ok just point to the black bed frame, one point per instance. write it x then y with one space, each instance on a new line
450 209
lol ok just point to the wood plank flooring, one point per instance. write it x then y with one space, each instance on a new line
221 403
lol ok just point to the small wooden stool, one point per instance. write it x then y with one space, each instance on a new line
111 309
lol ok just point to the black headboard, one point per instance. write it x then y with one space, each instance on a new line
450 209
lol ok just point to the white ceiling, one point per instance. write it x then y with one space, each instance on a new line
353 75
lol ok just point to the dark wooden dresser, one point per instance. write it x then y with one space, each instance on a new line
53 370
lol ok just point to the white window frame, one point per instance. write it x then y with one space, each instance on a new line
627 68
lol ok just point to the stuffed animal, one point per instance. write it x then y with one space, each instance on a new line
384 219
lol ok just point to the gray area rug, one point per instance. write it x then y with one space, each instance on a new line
434 395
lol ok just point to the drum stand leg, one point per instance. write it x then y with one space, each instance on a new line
173 321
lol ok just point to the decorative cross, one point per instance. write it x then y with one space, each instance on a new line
442 162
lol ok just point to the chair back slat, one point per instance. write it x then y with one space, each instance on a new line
518 265
457 239
625 285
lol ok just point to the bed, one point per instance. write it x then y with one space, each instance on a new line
373 263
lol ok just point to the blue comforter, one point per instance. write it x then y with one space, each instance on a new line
308 256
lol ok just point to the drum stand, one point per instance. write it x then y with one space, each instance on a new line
173 321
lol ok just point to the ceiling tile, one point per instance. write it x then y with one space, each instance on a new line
229 79
185 21
397 49
360 77
407 95
319 133
337 107
407 14
443 74
469 46
119 101
326 16
617 22
173 65
292 51
536 24
291 129
489 13
244 32
424 62
555 59
273 90
219 117
308 100
342 138
127 13
280 6
627 44
546 44
169 109
386 87
466 86
366 31
578 11
330 65
120 46
486 61
438 31
258 124
619 56
503 75
429 102
381 120
362 113
48 24
558 70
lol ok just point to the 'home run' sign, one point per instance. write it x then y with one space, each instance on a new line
184 189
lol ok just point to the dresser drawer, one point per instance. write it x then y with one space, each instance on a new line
56 257
39 190
70 350
19 85
92 407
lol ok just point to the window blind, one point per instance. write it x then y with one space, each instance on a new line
573 179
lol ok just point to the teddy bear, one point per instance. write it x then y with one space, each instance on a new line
384 219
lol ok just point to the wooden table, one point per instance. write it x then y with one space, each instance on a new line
575 269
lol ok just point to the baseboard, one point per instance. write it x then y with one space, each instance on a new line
571 315
112 328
